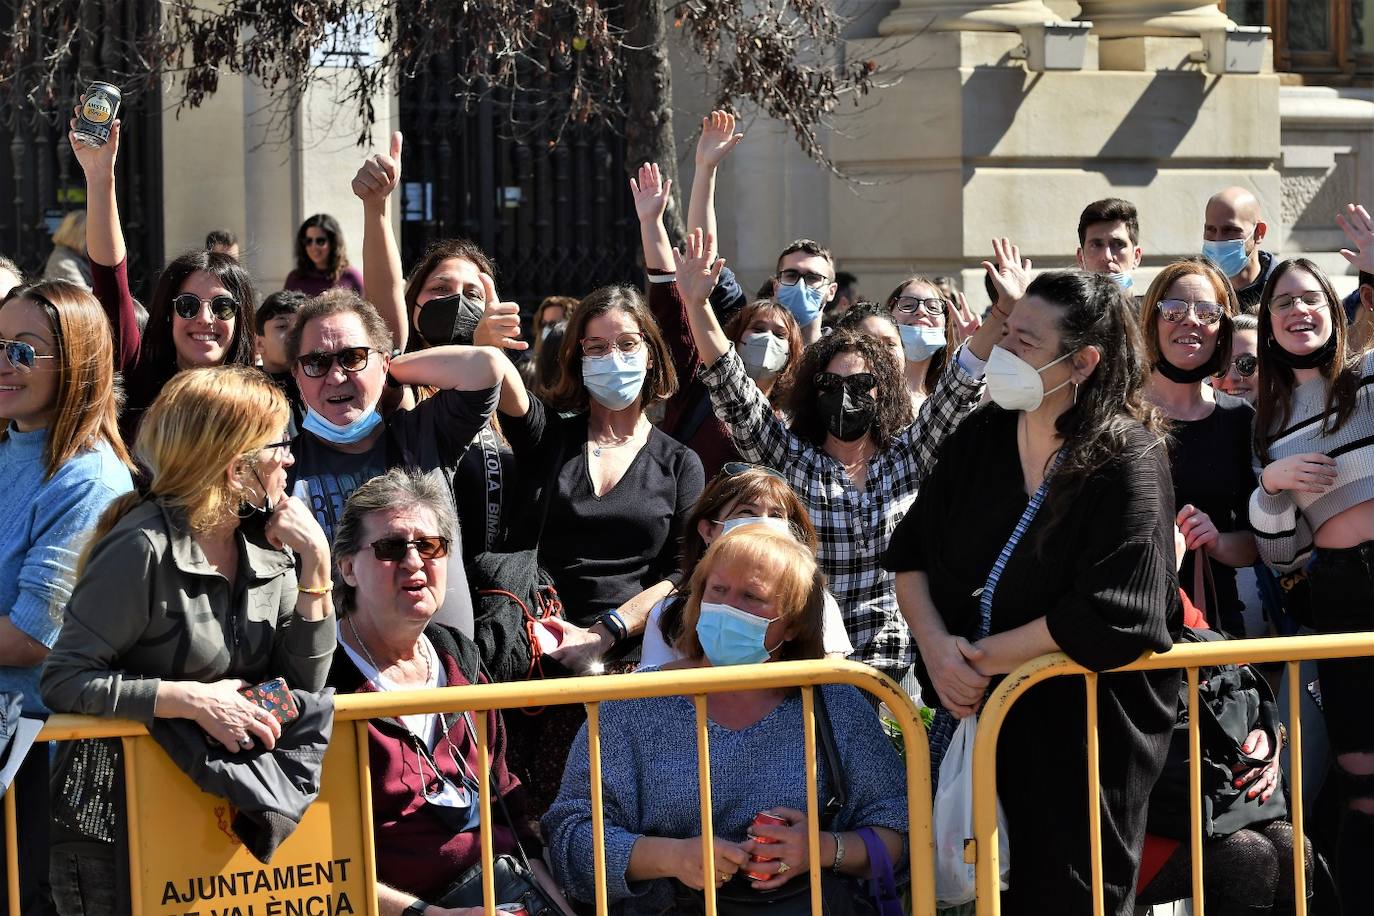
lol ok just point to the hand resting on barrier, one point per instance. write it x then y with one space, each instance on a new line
218 708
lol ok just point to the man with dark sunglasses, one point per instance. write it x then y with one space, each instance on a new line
342 362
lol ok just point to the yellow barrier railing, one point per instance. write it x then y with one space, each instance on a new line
591 691
1190 657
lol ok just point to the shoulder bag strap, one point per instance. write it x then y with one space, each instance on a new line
825 737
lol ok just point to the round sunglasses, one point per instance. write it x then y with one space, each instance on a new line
1245 365
188 306
1174 311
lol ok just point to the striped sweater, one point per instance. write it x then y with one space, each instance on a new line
1284 523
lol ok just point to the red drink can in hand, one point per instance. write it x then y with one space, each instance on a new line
516 909
770 820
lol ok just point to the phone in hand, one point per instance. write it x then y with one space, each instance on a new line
275 697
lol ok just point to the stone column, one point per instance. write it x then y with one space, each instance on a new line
1162 18
916 16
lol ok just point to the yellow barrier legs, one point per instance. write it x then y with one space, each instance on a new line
708 840
1095 798
1295 799
1195 790
598 806
813 823
12 849
484 798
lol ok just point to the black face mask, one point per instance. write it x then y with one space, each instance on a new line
1313 360
449 320
1188 376
848 415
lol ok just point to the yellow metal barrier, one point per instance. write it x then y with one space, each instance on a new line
327 866
1190 657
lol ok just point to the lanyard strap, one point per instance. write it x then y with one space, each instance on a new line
491 471
985 594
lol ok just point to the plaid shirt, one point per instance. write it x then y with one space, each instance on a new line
853 525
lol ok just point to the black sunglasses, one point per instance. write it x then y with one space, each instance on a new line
187 306
1245 365
350 359
320 242
859 381
22 356
735 468
393 550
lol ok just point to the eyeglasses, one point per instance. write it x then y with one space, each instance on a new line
1175 310
350 359
1314 299
790 277
393 550
827 382
735 468
188 305
598 347
909 304
1245 365
318 243
21 356
279 447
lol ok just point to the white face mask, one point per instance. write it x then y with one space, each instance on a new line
921 342
777 524
1014 384
764 354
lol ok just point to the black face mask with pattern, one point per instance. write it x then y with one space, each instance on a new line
449 320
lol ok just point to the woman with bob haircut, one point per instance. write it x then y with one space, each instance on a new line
1186 328
187 594
615 488
203 307
68 258
741 494
754 597
62 463
1314 508
322 259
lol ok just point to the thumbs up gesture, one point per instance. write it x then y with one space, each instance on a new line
379 175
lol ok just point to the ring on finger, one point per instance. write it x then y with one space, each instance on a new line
783 868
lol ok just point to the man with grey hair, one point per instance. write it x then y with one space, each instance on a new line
1232 233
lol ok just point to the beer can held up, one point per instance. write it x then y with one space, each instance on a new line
97 114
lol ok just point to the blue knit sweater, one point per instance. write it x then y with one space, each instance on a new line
649 775
44 528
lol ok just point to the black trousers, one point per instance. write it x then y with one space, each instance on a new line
31 784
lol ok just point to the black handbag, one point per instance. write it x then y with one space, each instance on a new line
839 896
512 877
1233 700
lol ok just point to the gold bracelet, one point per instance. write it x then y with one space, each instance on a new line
322 590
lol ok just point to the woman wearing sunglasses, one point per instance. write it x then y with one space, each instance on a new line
390 548
203 304
1314 508
1241 378
322 259
1186 328
187 594
741 494
852 453
62 462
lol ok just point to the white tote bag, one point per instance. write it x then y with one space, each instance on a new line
954 878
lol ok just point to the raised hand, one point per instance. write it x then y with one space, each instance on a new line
961 318
379 175
500 323
1010 273
717 138
698 268
651 193
97 162
1359 228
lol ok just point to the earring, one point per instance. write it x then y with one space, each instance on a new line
1075 394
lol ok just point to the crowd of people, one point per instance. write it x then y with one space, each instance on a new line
372 480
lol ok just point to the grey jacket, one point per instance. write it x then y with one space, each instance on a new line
150 606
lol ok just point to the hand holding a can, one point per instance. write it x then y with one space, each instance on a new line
96 161
779 848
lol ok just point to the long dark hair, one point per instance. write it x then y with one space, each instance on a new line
158 356
338 253
1274 401
1110 404
894 405
437 253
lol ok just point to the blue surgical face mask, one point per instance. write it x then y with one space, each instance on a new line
1230 256
801 300
920 341
356 431
615 380
1123 280
730 636
777 524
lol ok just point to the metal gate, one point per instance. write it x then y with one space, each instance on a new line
40 180
554 212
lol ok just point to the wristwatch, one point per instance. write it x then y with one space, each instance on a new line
614 626
415 909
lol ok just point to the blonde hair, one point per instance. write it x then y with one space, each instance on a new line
203 420
798 587
71 232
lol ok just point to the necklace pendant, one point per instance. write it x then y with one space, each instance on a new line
596 452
